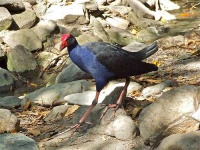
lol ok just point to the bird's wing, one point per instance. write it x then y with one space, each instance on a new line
117 60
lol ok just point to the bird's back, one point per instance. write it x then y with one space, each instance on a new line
122 63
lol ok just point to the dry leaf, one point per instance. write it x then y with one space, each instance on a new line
71 110
35 132
157 63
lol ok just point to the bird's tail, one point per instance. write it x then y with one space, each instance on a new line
147 51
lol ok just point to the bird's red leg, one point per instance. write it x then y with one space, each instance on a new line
119 101
84 117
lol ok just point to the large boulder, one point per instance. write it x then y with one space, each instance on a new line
24 37
25 19
20 60
170 114
184 141
17 141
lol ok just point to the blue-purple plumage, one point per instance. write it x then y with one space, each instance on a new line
106 61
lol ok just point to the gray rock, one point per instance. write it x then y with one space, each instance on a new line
118 22
6 80
170 114
147 35
25 20
63 11
134 47
44 58
12 5
8 121
57 112
121 37
122 128
24 37
32 2
53 95
94 142
20 60
108 95
87 37
119 126
140 10
185 141
72 73
155 89
17 141
5 19
10 102
40 9
172 41
122 10
99 31
84 98
44 28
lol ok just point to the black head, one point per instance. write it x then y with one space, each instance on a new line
67 40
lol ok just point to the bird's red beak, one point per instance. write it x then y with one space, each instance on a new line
63 45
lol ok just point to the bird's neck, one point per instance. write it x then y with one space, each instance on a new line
72 46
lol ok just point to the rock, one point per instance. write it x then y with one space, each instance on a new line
147 35
44 29
24 37
140 10
118 22
108 95
99 31
25 20
122 128
53 95
134 47
121 37
63 11
32 2
5 19
12 5
56 113
170 41
10 102
183 141
169 114
17 141
6 80
168 5
84 98
20 60
8 122
122 10
45 58
40 9
94 142
72 73
87 37
155 89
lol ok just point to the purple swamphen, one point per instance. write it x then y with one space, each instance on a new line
105 62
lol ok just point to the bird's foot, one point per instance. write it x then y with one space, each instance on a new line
109 106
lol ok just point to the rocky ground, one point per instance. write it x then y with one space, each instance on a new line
42 93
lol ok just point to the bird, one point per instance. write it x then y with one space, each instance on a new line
106 62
